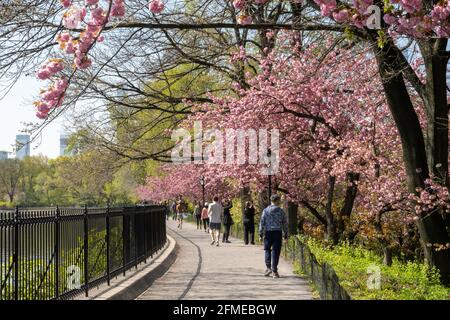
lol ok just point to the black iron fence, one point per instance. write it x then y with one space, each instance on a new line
321 274
57 253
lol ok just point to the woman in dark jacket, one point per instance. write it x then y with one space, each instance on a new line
249 222
227 220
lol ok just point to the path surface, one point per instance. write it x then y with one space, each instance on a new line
230 271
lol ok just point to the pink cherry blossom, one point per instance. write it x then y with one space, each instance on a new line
118 8
91 2
239 4
66 3
156 6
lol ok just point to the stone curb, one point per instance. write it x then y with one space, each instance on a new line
139 281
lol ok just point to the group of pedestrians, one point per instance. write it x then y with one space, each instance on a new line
210 218
178 209
273 226
201 216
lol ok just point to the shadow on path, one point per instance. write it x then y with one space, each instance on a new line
229 272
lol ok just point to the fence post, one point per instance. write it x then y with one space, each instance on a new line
146 224
86 251
135 238
294 248
16 253
108 237
57 248
126 216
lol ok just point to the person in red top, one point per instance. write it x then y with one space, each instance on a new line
205 217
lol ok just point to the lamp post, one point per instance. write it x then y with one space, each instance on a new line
269 154
202 183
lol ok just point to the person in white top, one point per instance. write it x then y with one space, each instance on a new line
215 214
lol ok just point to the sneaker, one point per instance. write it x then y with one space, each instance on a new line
268 272
212 242
217 243
275 275
228 241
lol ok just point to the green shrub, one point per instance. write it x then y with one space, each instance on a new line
401 281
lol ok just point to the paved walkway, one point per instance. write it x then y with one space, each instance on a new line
230 272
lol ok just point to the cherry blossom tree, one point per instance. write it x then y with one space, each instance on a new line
330 145
399 33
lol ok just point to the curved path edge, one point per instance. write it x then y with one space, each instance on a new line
139 281
232 271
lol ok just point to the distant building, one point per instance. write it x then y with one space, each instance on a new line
64 140
22 146
63 144
3 155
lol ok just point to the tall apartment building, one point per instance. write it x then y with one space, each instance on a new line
63 144
22 146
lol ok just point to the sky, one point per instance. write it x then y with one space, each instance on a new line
17 108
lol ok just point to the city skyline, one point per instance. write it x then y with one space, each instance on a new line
23 142
17 110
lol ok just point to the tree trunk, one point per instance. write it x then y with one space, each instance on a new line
436 106
383 240
432 232
244 196
292 210
405 117
387 255
349 201
331 226
432 227
263 199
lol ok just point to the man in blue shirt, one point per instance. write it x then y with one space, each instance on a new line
272 226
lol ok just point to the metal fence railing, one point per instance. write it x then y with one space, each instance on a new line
321 274
58 253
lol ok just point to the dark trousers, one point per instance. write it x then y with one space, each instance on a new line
199 222
206 223
249 230
272 247
226 232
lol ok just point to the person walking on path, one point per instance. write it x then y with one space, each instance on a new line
227 220
215 214
174 210
272 226
167 205
198 215
249 223
180 213
205 217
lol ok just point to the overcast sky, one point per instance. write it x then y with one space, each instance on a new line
17 108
